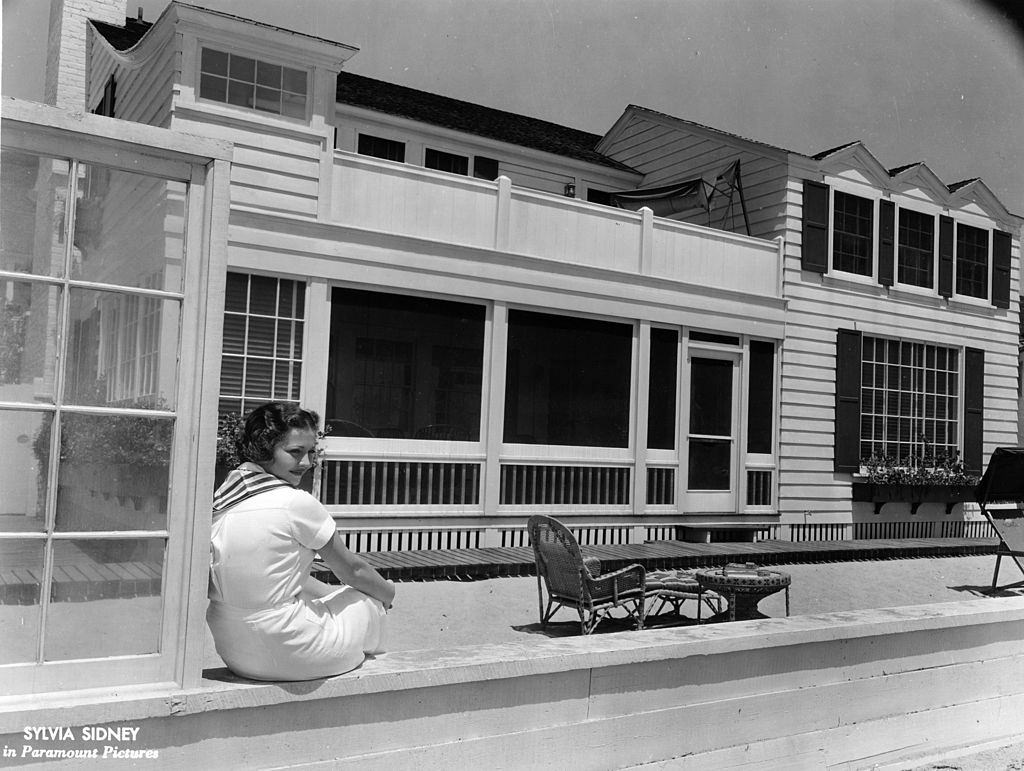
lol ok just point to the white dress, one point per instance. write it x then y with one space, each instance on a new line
264 626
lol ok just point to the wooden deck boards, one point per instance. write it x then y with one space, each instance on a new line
469 564
78 577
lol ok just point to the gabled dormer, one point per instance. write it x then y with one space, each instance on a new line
906 230
195 60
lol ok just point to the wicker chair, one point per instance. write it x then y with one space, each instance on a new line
573 581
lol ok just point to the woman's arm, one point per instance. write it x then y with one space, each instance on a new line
356 572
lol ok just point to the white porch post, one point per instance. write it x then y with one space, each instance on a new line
494 415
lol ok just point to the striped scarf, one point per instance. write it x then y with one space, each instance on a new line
244 482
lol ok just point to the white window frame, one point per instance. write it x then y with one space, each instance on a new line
205 166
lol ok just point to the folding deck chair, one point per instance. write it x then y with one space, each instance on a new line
1001 496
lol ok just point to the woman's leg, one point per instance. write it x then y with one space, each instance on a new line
362 618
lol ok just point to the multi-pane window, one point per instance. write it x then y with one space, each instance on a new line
379 147
916 248
910 399
257 85
263 328
853 226
90 313
450 162
971 261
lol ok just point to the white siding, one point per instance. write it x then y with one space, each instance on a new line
667 154
276 165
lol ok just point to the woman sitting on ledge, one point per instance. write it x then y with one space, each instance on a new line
270 619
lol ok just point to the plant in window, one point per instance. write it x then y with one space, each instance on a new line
945 470
229 427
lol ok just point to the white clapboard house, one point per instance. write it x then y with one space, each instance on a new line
667 330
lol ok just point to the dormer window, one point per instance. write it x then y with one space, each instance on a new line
971 261
916 248
898 247
853 225
246 82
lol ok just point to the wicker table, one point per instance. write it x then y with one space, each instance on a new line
744 585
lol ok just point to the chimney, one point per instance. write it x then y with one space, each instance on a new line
66 49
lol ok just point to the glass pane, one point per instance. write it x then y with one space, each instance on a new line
21 578
294 80
293 105
404 367
25 449
261 336
129 229
113 473
567 381
711 397
263 295
710 464
105 599
243 68
268 75
236 292
240 94
212 87
29 320
33 191
661 418
234 333
268 100
123 350
215 61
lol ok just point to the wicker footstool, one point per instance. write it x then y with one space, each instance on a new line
744 585
674 587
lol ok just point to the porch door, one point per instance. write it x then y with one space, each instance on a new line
711 442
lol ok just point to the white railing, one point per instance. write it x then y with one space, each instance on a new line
406 200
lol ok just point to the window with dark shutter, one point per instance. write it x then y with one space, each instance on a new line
974 409
1000 269
971 261
814 251
853 229
886 242
847 431
945 256
916 249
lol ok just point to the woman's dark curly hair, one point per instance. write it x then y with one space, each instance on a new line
265 426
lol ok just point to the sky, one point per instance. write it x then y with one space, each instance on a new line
939 81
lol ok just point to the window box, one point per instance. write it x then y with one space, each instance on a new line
881 493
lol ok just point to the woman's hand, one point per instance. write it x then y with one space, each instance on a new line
356 572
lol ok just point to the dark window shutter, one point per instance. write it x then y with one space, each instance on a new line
847 432
814 252
1000 269
974 409
945 256
886 242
